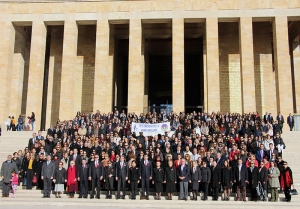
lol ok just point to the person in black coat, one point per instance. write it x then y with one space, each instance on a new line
216 180
195 178
206 177
227 180
59 178
262 179
96 175
38 171
158 178
253 174
121 176
109 174
83 174
146 176
286 180
133 175
241 180
170 178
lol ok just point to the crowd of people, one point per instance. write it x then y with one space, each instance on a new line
208 153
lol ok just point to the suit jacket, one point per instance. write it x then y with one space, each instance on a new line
83 172
280 120
122 172
258 155
96 172
216 177
289 122
263 174
244 175
274 152
158 174
77 160
134 174
31 143
170 174
6 170
195 176
253 177
51 132
185 172
146 169
48 170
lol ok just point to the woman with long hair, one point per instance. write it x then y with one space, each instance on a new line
72 179
227 180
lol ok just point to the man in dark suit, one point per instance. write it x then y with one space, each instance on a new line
261 153
272 151
219 160
290 121
75 157
39 136
183 173
146 176
266 117
280 120
95 175
109 128
31 141
253 174
177 152
83 174
121 176
47 176
241 180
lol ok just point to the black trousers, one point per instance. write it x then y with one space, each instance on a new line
215 193
121 183
29 176
96 184
6 188
133 186
83 187
287 193
205 190
253 194
145 183
47 186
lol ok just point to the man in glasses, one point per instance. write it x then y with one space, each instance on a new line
253 174
96 175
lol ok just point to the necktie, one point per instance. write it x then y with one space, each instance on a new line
82 167
240 168
48 163
96 164
271 151
121 165
194 169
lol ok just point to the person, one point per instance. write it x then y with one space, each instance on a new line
290 121
216 180
286 180
133 176
121 177
253 174
227 180
280 120
7 167
263 174
32 119
38 165
146 176
170 178
7 123
241 180
14 183
96 172
158 178
72 179
183 173
29 168
13 123
83 174
47 176
59 179
273 174
109 175
206 177
20 123
195 178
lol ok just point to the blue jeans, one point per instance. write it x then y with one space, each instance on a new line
20 127
32 124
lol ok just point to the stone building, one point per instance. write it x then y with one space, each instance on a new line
58 57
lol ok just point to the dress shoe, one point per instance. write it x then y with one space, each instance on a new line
147 198
244 200
118 197
80 197
142 197
3 195
180 198
85 196
237 199
92 197
123 197
44 196
98 197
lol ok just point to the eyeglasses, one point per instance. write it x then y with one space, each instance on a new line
96 157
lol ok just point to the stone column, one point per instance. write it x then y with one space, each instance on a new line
7 41
36 71
178 65
69 58
296 61
103 83
212 65
136 72
282 67
247 65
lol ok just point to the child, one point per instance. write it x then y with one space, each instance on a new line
14 182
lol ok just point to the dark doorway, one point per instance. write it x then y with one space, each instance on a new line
160 79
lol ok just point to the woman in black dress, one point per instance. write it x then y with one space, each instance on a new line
206 177
195 179
109 176
158 178
170 179
216 180
227 180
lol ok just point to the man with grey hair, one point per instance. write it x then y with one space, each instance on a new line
7 167
47 176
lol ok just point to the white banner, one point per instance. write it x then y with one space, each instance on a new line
157 128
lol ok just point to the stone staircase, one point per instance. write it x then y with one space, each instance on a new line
13 141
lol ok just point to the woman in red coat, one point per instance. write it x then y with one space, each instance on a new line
72 179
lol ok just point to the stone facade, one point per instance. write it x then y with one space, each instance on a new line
247 48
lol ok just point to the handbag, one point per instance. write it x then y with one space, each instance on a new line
293 191
34 179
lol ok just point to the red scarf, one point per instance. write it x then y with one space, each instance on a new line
287 179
